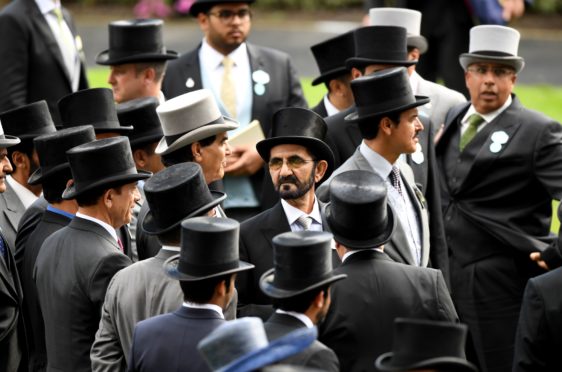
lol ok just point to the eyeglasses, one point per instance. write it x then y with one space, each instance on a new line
227 16
499 72
293 162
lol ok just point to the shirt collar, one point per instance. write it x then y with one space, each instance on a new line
24 195
489 116
293 213
103 224
415 82
52 209
349 253
379 164
303 318
214 58
170 248
47 6
212 307
330 109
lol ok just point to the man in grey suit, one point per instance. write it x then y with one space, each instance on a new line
299 285
142 290
387 117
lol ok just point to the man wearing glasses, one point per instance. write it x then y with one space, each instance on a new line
298 158
500 169
249 83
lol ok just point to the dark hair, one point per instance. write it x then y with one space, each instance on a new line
201 291
55 185
370 128
343 78
149 147
184 153
25 146
159 68
299 303
172 237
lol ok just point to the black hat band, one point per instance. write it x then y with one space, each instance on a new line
193 269
117 54
389 105
362 234
173 138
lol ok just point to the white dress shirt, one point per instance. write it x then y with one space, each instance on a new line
350 253
487 117
293 214
303 318
212 307
330 109
103 224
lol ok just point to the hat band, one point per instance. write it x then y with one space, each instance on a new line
125 53
195 269
388 105
363 234
84 182
492 53
293 283
173 138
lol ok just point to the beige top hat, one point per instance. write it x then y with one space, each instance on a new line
407 18
189 118
491 43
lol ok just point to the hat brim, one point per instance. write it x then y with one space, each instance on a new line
318 147
146 138
8 141
418 41
104 128
292 343
39 175
329 75
150 226
355 118
359 62
171 269
466 59
198 7
72 192
104 59
385 363
374 242
196 135
267 285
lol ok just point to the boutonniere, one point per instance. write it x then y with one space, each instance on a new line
190 83
499 138
261 79
418 156
78 43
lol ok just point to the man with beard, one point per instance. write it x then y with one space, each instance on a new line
304 258
298 158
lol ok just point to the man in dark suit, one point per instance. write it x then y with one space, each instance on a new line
206 268
500 169
359 323
76 263
12 335
249 83
54 175
299 285
42 55
330 56
298 159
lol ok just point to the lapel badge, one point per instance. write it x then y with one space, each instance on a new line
78 43
495 147
417 156
259 89
190 83
500 137
261 78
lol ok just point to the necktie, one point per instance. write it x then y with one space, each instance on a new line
395 179
305 221
2 248
474 122
120 245
66 42
228 90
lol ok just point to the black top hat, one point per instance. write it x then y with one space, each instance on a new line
141 114
358 214
204 5
28 121
52 148
176 193
302 262
105 162
135 40
380 45
91 107
209 248
330 56
426 344
299 126
382 93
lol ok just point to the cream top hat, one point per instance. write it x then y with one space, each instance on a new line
189 118
407 18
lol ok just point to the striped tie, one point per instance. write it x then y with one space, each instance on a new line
305 221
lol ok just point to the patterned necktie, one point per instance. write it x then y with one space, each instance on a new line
395 179
305 221
228 90
474 122
2 248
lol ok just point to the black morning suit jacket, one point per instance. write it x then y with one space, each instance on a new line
168 342
13 348
256 247
320 109
72 272
32 67
283 90
539 334
316 356
48 224
360 321
497 209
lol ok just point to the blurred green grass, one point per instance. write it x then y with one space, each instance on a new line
544 98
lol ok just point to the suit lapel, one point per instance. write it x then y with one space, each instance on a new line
276 224
258 101
7 265
14 207
192 71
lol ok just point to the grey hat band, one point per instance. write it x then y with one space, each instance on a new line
173 138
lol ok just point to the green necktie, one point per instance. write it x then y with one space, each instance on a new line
474 122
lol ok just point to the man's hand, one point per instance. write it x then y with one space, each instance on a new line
536 256
243 161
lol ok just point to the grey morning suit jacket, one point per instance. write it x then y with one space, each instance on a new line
11 210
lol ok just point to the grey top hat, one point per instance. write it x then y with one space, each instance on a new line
203 5
241 345
491 43
209 248
407 18
7 141
189 118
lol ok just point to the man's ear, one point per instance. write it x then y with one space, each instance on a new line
321 168
140 157
385 125
20 160
108 197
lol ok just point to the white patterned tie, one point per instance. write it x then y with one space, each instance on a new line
305 221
